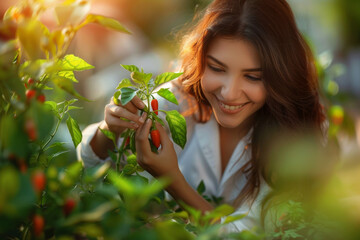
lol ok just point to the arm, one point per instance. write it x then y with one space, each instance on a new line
164 164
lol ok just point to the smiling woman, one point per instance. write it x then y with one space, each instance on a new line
248 75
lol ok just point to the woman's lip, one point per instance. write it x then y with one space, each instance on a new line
232 110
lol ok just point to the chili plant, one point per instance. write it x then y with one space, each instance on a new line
147 88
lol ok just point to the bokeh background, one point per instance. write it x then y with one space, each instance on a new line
332 27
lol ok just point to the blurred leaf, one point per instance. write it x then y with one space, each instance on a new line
73 63
13 137
142 78
130 68
71 12
74 130
233 218
106 22
69 75
124 83
67 85
171 230
177 126
31 34
168 95
110 135
166 77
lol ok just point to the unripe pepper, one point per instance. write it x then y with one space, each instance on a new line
155 105
155 137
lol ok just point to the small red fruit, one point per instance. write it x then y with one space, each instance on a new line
155 105
41 98
155 137
69 205
38 225
31 81
30 94
38 180
30 129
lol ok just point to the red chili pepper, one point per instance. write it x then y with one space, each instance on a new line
38 225
30 129
41 98
38 180
30 94
155 105
69 205
155 137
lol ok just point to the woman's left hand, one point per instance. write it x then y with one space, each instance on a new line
161 164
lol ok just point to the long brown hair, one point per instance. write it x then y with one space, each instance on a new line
289 73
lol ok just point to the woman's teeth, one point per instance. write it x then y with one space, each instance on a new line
232 107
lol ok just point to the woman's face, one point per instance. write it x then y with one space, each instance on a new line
232 82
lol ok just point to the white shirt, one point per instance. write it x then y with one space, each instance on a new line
200 160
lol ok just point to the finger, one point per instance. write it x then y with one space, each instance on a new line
114 121
129 106
121 112
138 103
164 138
141 137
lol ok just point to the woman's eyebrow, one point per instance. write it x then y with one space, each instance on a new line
215 60
224 65
252 70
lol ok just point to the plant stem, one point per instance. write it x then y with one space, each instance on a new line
49 140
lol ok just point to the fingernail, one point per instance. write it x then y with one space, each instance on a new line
148 121
143 117
136 125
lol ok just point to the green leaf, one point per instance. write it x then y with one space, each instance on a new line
68 74
177 126
116 97
74 130
124 83
166 77
129 169
142 78
127 94
110 135
130 68
106 22
233 218
73 63
201 187
131 159
67 85
168 95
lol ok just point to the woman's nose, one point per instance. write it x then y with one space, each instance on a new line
231 89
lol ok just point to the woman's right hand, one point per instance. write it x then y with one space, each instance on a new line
117 118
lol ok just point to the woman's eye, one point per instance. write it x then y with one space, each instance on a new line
215 69
253 78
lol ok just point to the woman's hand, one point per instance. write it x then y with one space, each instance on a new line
161 164
117 118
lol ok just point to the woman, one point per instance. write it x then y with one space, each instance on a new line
251 75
